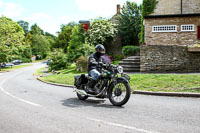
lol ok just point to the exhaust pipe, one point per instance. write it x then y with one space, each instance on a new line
81 92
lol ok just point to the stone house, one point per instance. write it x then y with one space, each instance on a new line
170 32
115 46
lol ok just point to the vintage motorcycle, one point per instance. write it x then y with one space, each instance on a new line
113 84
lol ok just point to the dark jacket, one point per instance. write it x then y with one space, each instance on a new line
93 60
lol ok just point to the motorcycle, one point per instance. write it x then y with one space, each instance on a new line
113 84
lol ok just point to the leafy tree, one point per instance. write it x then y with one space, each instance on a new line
35 29
101 31
52 39
147 8
24 25
64 37
129 26
26 53
11 38
49 35
39 45
72 24
78 45
77 40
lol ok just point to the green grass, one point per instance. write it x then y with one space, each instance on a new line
116 62
39 72
166 82
146 82
66 76
15 67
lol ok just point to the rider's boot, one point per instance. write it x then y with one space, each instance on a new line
92 88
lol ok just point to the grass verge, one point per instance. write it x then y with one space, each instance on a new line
39 72
146 82
15 67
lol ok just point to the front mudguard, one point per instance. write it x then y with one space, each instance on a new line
115 81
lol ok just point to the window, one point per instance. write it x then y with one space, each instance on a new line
164 28
188 27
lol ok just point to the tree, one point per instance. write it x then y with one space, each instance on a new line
35 29
147 8
64 37
40 43
24 25
129 23
78 45
52 39
101 31
11 38
40 46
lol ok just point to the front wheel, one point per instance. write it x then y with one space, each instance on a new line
81 97
120 93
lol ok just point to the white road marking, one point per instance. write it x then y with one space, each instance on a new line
120 125
91 119
20 99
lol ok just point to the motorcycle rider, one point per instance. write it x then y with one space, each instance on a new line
95 60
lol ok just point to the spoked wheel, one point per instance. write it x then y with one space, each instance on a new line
120 93
82 97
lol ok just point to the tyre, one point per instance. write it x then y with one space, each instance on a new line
81 97
120 93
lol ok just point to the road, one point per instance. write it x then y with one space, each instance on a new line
30 106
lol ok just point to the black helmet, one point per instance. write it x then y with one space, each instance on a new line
100 49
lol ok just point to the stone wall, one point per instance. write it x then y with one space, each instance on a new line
167 58
166 7
171 38
191 6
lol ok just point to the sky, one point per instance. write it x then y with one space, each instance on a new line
50 14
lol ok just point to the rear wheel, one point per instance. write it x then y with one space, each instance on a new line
81 97
120 93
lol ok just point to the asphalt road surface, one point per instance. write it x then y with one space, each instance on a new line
30 106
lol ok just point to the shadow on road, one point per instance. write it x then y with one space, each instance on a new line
75 102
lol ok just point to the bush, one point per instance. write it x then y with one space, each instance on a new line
75 50
58 60
82 64
130 50
117 57
26 60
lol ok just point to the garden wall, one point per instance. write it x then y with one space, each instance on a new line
168 58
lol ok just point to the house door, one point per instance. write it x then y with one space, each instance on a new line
198 30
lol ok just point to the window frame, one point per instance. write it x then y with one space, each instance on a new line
164 28
183 30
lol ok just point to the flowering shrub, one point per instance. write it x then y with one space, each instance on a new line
101 31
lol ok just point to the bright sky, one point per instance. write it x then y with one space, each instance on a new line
50 14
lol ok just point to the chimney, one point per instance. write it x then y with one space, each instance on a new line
118 9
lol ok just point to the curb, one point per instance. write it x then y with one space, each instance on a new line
4 71
55 83
171 94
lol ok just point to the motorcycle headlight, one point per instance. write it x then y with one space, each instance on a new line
120 69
